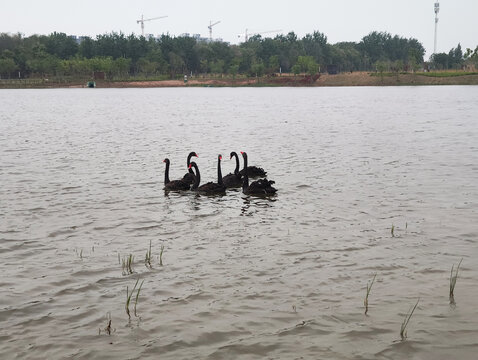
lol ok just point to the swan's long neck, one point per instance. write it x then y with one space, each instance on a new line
219 172
236 170
189 162
245 183
197 178
166 174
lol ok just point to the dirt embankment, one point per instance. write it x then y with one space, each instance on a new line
176 83
343 79
367 79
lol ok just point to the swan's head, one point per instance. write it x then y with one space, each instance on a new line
219 157
244 154
191 154
233 153
166 161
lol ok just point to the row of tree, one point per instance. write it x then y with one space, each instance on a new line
455 59
119 55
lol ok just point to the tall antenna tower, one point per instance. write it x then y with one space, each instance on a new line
437 10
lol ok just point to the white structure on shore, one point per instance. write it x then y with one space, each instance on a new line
437 10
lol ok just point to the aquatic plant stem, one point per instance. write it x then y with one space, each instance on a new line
369 288
403 328
453 278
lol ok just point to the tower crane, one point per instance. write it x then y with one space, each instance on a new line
142 20
210 28
247 35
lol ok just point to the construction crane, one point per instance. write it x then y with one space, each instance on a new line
142 20
210 28
247 35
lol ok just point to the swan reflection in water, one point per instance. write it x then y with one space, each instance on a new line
252 204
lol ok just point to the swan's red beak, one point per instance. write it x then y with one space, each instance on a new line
242 152
197 155
220 157
164 160
189 166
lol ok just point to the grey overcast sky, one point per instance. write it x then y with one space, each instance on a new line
339 20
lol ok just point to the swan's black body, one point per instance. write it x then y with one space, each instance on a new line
175 185
253 172
189 176
233 179
209 188
260 187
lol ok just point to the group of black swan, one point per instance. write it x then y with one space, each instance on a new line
192 179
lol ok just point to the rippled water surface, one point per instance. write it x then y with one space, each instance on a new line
81 177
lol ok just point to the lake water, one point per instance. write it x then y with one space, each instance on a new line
81 177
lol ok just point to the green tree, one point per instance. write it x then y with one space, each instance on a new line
296 70
217 67
233 70
86 48
146 67
257 69
440 61
308 65
381 66
121 66
274 64
471 57
176 64
7 67
61 45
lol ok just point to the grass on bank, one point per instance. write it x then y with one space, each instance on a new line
444 74
433 74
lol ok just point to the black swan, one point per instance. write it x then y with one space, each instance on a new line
253 171
189 177
259 187
209 188
174 185
233 179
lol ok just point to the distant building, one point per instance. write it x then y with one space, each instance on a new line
78 39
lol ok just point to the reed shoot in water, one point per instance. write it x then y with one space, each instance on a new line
108 327
161 255
403 328
393 230
128 298
453 278
147 259
127 264
369 288
137 296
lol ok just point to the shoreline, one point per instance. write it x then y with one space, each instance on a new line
286 80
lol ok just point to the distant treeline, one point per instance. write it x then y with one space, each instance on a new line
121 56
